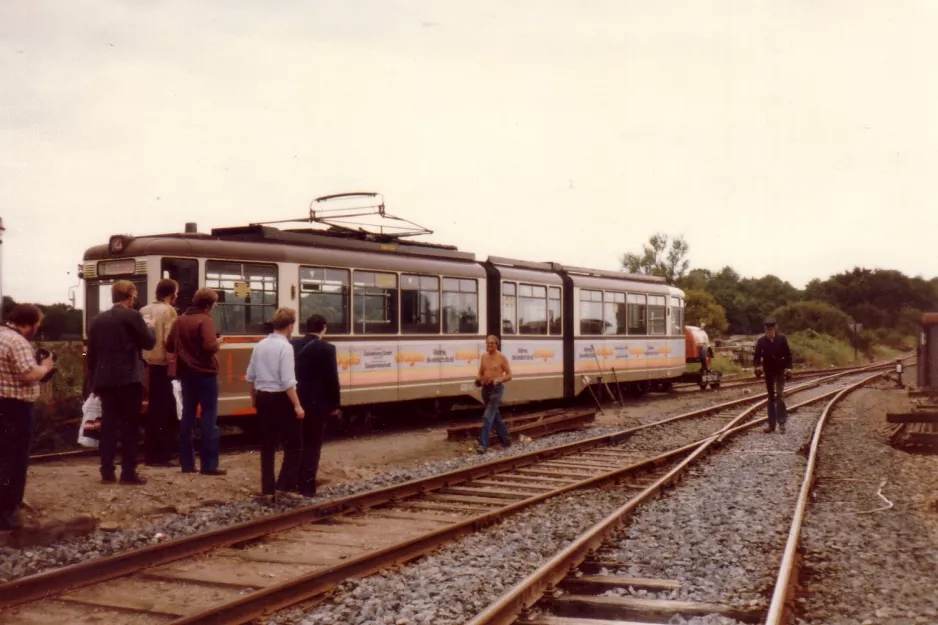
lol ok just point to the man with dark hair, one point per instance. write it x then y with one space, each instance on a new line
773 356
272 376
194 344
116 338
317 377
19 389
161 424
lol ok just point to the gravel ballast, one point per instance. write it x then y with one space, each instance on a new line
461 579
15 563
864 565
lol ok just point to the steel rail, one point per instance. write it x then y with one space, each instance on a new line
262 602
784 580
41 585
529 591
38 586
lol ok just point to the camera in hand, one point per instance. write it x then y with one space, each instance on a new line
41 354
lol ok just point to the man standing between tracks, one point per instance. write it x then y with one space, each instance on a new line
195 343
159 441
317 383
272 376
116 338
773 356
493 373
19 389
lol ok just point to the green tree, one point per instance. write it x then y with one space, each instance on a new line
659 260
703 310
60 322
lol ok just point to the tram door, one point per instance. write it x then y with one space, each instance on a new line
185 271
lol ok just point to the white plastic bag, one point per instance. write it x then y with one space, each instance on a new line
90 429
177 393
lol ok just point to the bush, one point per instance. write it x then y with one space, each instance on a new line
58 410
814 316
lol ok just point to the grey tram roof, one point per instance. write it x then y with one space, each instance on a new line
267 243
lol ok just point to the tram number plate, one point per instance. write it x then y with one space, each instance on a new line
466 388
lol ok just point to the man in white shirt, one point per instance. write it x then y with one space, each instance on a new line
272 376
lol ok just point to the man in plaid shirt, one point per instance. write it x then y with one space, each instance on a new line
19 389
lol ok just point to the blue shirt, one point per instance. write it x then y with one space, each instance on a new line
271 368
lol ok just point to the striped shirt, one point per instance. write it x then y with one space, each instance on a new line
17 358
272 368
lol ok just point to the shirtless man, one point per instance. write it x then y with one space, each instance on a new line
493 373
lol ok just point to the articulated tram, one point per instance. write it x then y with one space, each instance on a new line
409 319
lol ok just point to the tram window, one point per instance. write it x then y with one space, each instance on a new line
460 306
325 292
375 302
591 312
420 304
509 307
532 309
98 296
636 314
614 313
185 271
247 295
657 309
677 316
554 314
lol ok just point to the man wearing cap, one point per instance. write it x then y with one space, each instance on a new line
773 356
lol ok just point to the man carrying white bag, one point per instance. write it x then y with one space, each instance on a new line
89 432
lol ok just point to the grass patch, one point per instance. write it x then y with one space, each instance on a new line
816 351
719 363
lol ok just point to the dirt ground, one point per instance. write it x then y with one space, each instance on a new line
67 498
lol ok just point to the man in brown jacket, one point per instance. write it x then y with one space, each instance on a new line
161 423
194 342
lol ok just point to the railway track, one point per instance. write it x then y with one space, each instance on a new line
568 589
237 573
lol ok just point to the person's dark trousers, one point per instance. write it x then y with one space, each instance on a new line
278 424
314 430
120 414
199 390
775 386
16 430
159 443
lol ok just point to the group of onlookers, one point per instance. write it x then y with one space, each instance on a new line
294 388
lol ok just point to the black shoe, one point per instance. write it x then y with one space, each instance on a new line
109 478
133 480
480 449
769 429
781 428
9 522
214 472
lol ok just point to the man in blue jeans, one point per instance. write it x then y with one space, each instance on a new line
195 343
494 371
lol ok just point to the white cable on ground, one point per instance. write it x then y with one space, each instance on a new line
880 493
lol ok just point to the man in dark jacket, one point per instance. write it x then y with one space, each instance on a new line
773 356
116 338
317 376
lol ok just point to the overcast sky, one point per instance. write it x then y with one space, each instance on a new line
789 137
